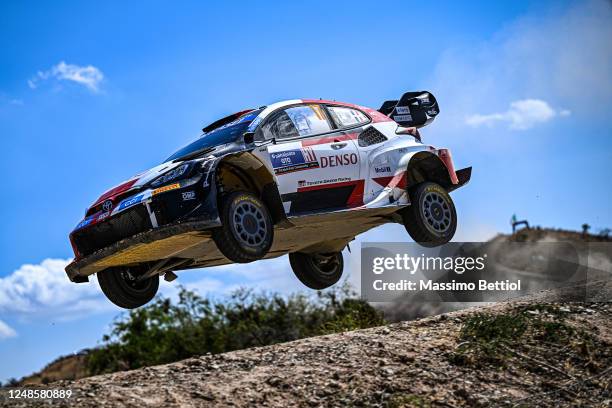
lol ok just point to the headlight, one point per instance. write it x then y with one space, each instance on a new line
171 175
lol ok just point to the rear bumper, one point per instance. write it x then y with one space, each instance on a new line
463 177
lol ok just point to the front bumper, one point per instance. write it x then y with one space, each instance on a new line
180 201
148 246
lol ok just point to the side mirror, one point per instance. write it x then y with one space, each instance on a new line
248 137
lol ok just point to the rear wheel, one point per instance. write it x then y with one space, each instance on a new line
122 286
246 233
431 218
317 271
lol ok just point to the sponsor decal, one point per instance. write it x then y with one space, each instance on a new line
103 216
166 188
382 169
304 183
294 160
402 118
189 195
129 202
402 110
337 160
84 223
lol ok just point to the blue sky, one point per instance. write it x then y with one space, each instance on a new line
91 94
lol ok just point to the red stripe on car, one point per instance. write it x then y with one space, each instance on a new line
399 180
354 200
329 139
445 156
115 191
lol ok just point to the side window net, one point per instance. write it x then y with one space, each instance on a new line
370 136
346 117
280 128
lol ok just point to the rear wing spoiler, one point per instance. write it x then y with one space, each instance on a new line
413 109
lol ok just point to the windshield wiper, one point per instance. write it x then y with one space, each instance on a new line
194 154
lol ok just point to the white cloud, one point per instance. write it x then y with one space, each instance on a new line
88 76
522 115
44 290
6 331
562 56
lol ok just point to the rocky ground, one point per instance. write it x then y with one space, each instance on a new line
517 354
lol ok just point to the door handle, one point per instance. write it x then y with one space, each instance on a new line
338 145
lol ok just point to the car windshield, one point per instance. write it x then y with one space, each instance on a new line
221 135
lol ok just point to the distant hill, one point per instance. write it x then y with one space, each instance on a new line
71 367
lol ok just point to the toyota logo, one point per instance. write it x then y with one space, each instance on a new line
108 204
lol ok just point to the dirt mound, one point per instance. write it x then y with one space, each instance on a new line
508 354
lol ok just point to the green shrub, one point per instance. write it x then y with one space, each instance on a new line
163 331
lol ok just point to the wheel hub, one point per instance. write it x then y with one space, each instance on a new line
132 281
249 224
326 263
436 212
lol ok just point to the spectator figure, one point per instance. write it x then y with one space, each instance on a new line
585 229
516 223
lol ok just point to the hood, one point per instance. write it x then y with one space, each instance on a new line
135 183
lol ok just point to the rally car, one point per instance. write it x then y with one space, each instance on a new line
299 177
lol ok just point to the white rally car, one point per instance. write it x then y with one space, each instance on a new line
299 177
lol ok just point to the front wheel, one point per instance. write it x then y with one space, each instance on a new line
431 218
246 231
122 287
317 271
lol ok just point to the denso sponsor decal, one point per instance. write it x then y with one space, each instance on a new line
336 160
129 202
294 160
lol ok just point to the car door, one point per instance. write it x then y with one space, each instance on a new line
317 166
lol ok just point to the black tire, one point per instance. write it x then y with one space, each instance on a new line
121 287
247 232
317 271
431 218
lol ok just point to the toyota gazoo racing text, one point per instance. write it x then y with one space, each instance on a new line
302 177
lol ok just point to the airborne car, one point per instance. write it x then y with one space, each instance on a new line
298 177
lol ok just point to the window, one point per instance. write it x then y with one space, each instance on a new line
304 120
279 128
309 119
226 133
346 117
